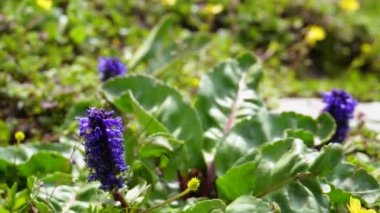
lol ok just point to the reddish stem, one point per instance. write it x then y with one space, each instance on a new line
118 197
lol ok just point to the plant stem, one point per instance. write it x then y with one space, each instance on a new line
169 200
118 197
210 178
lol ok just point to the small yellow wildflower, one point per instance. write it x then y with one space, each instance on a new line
168 2
193 184
133 128
45 4
356 207
19 136
213 9
349 5
195 82
314 33
366 48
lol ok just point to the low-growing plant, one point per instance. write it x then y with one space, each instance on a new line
225 153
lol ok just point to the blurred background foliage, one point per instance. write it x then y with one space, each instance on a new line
49 50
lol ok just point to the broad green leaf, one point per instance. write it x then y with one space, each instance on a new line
172 153
273 165
237 181
127 102
226 95
306 136
304 196
251 204
265 127
57 178
165 104
159 144
160 50
34 159
207 206
328 158
356 181
326 128
239 141
65 198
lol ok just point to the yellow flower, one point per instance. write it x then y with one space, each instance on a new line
19 136
356 207
193 184
168 2
195 82
213 9
45 4
349 5
366 48
314 33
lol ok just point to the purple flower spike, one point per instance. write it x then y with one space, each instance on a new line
104 149
110 67
341 107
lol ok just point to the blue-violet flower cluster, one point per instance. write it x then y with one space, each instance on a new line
104 149
341 106
110 67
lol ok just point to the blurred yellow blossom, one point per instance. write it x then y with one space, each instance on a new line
366 48
213 9
45 4
356 207
314 33
168 2
349 5
195 82
19 136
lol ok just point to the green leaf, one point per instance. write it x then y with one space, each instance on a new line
265 127
328 159
4 133
162 102
136 195
128 103
251 204
159 144
239 141
152 43
356 181
226 95
326 128
207 206
159 50
65 198
303 196
57 178
273 165
237 181
306 136
42 207
34 159
11 197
